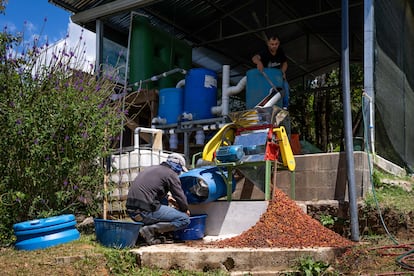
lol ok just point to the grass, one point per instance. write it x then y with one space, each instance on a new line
81 257
389 195
87 257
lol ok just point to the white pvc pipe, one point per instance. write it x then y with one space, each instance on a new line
180 84
158 121
273 100
228 91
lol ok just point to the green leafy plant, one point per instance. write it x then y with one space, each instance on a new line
327 220
58 122
309 267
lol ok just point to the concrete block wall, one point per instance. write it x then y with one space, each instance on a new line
323 176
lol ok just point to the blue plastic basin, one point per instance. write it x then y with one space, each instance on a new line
115 233
194 231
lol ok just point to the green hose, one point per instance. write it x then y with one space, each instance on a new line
403 259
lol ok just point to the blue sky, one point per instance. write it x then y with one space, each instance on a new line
39 17
29 16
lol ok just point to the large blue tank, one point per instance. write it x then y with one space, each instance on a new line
200 93
258 87
205 184
170 105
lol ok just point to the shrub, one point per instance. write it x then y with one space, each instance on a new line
57 124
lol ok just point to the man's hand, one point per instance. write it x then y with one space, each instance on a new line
256 60
172 202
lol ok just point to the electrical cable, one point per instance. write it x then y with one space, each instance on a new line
403 259
371 178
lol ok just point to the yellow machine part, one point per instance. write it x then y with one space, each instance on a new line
285 149
224 137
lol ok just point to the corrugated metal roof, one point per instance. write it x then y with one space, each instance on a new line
230 31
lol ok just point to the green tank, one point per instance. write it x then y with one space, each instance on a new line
154 51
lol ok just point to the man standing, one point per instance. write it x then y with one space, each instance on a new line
273 56
149 189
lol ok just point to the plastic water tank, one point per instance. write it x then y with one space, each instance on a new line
200 93
258 87
171 104
205 184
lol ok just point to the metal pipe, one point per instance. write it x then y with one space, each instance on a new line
369 69
159 76
349 148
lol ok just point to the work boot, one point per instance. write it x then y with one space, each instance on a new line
148 233
165 230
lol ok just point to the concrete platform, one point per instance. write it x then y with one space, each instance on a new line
236 261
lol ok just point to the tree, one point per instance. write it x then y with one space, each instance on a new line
57 124
320 109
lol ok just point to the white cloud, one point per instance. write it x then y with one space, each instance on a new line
79 44
87 39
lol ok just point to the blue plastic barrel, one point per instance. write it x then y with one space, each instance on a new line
170 105
200 93
205 184
258 87
45 232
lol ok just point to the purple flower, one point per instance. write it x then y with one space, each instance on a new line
85 135
75 187
65 182
36 141
67 138
18 122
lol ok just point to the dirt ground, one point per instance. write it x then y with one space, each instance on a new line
377 257
370 257
376 253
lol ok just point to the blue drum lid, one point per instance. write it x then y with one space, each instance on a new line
45 230
48 240
43 222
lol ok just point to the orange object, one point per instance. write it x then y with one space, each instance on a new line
295 144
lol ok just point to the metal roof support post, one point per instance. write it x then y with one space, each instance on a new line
99 46
368 99
349 148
